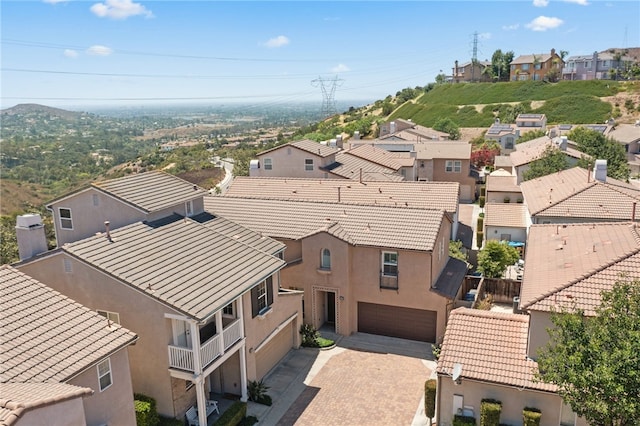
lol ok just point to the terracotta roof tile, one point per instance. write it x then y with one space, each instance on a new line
529 151
307 145
48 337
491 347
351 166
505 214
498 183
443 150
375 155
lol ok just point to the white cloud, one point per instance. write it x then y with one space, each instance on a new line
544 23
70 53
54 1
511 27
277 41
340 68
580 2
484 36
540 3
120 9
97 50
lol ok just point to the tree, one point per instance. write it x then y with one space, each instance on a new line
456 251
441 78
552 160
494 258
594 360
536 63
447 125
596 146
500 64
430 399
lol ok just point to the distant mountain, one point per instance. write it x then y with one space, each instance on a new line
37 109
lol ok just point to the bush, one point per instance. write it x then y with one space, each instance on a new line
233 415
430 398
507 199
146 412
490 412
481 201
257 390
480 238
480 223
459 420
531 416
309 336
483 190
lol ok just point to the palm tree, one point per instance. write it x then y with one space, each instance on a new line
536 62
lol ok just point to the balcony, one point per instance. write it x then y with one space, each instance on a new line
182 358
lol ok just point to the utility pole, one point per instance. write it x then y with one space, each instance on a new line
328 88
474 57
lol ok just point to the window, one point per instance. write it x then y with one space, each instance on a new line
538 66
65 218
268 164
390 263
113 316
567 416
96 200
188 208
453 166
525 67
104 374
262 297
325 259
509 143
308 164
229 310
66 263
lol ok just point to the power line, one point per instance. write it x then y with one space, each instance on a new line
328 94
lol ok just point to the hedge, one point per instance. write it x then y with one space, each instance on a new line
146 412
479 237
483 191
490 412
481 201
430 398
233 415
531 416
480 223
459 420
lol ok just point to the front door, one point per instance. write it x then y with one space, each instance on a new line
331 308
181 333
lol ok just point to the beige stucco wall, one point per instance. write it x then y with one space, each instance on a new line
288 161
495 232
61 414
87 219
114 405
539 322
499 196
148 358
425 170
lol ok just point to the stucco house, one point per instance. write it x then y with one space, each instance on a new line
472 71
597 66
501 187
628 135
528 152
505 222
62 363
580 195
535 67
505 135
367 268
407 130
201 291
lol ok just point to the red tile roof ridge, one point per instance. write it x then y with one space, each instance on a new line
489 314
587 274
561 200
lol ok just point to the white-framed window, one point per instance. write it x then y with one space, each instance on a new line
567 416
538 66
188 208
268 164
308 164
453 166
113 316
65 218
525 67
104 374
390 263
325 259
262 296
229 311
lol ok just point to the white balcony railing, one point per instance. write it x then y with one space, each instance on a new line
181 358
232 333
210 350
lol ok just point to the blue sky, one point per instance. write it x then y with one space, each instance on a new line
131 52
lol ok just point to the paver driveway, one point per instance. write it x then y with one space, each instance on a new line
357 387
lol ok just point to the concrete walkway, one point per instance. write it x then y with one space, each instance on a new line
290 381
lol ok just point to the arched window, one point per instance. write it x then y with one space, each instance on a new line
325 259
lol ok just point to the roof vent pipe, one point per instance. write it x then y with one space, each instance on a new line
106 230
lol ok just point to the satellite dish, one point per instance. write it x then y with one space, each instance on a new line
457 371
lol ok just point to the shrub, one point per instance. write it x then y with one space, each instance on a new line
233 415
257 390
459 420
480 222
507 199
480 238
481 201
146 412
485 304
435 350
490 412
483 190
531 416
430 398
309 336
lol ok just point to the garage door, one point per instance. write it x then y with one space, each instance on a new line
269 355
394 321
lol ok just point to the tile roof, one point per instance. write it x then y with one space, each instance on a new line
529 151
502 161
190 266
417 134
375 155
151 191
505 214
451 278
349 166
624 133
18 398
47 337
443 150
426 195
490 347
498 183
576 258
307 145
575 193
376 226
528 59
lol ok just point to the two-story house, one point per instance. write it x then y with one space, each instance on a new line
505 135
201 291
61 363
472 71
535 67
400 129
530 151
597 66
362 267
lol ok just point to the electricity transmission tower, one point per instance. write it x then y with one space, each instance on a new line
328 88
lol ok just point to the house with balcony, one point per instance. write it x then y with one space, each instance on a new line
535 67
363 267
62 363
605 65
202 292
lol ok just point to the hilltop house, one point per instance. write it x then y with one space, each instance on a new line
535 67
204 326
472 71
62 363
362 267
597 66
407 130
